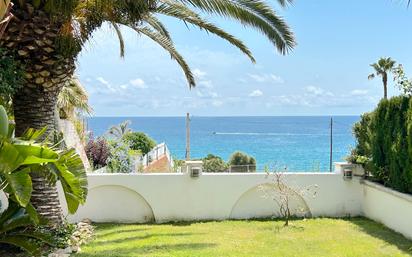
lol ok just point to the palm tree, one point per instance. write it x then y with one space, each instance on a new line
119 131
47 36
382 68
73 97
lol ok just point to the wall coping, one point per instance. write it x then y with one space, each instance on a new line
390 191
211 174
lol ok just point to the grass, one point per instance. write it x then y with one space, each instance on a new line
357 237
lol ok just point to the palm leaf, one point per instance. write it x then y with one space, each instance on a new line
183 13
23 243
166 44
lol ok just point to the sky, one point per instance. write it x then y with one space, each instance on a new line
326 74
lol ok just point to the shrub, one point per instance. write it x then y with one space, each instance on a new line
139 141
11 75
97 152
242 162
384 143
120 159
213 163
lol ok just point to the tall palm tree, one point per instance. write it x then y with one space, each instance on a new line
382 68
47 36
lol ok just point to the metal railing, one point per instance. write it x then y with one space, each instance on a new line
241 168
155 154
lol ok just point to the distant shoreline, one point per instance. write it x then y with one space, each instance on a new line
233 116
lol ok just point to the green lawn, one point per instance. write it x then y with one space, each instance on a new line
304 238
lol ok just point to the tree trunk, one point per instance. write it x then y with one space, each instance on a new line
385 86
31 37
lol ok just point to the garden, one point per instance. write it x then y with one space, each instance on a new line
40 42
355 237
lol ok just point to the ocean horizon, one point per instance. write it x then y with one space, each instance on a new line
297 143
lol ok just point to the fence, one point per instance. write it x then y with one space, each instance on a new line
155 154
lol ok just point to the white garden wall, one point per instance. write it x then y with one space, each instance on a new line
391 208
141 198
217 196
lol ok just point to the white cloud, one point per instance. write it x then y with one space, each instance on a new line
139 83
317 91
198 73
359 92
205 83
256 93
267 78
314 90
106 83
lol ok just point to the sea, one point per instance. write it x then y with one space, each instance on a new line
289 143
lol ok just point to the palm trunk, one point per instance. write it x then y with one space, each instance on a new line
32 35
385 86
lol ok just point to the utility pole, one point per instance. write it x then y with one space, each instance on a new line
187 137
331 144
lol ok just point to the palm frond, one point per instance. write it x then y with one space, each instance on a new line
253 13
167 44
157 25
181 12
119 37
73 96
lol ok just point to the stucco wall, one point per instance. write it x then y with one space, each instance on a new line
171 197
391 208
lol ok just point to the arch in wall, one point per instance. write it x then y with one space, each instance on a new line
261 201
114 203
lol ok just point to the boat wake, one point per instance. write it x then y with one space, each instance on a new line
266 134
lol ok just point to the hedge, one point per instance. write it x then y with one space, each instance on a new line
384 143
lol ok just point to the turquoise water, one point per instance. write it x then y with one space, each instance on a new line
300 143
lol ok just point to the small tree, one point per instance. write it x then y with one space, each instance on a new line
242 162
139 141
290 201
213 163
402 81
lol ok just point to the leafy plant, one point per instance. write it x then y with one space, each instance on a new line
11 79
97 151
20 157
120 159
17 228
402 81
11 74
213 163
139 141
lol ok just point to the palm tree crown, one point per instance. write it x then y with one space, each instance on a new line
73 97
78 19
382 68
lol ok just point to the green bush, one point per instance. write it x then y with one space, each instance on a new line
242 162
139 141
384 143
213 163
120 160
